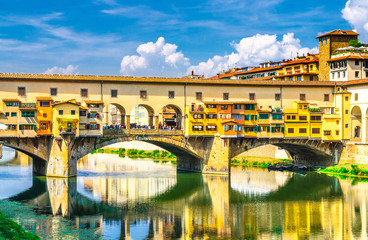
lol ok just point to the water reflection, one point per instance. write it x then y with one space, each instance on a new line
249 204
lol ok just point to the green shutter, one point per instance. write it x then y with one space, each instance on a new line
268 128
20 127
272 129
35 127
256 117
282 129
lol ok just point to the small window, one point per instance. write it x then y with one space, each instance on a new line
22 91
302 130
252 96
224 107
171 94
225 96
356 62
300 106
305 107
72 112
198 116
13 114
327 97
346 98
288 117
356 97
316 130
337 132
237 106
302 118
211 116
327 132
302 97
82 113
114 93
84 92
211 128
143 94
197 128
45 104
277 96
53 91
356 74
61 112
293 117
290 130
7 114
44 115
346 111
346 125
199 96
310 78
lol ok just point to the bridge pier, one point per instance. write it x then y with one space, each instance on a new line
1 151
218 159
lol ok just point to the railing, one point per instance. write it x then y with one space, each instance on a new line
142 132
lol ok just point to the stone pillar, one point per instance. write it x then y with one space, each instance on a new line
157 121
150 120
61 163
127 120
364 126
219 158
122 121
106 120
1 151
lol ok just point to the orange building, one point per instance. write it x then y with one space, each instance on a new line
44 115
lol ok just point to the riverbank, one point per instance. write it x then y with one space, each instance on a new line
136 153
347 170
255 161
12 230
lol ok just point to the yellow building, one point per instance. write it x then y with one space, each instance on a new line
301 69
66 118
27 120
90 118
44 115
10 116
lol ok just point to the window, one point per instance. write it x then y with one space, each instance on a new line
84 92
277 116
44 126
300 106
302 97
327 132
7 114
82 113
346 98
302 130
311 67
337 132
302 118
315 118
346 111
253 117
72 112
22 91
290 130
211 128
28 114
288 117
44 115
252 96
246 117
53 91
61 112
199 96
45 104
13 114
114 93
225 96
93 105
310 78
237 106
327 97
224 107
290 78
26 127
198 116
211 116
249 106
197 128
277 96
356 62
316 130
211 106
293 117
356 74
11 104
143 94
366 74
356 97
263 116
171 94
305 107
344 74
12 127
237 116
346 125
338 75
333 75
299 78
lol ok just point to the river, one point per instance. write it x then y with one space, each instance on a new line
121 198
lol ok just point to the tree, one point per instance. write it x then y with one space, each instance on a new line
355 43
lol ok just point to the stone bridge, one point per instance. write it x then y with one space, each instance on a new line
58 156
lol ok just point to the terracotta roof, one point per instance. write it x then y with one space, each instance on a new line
83 107
258 70
94 102
301 102
10 100
226 102
348 57
264 110
339 32
356 82
44 98
214 77
72 101
299 61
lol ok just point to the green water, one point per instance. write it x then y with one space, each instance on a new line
130 199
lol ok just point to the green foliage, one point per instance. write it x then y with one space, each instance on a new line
346 170
355 43
315 110
12 230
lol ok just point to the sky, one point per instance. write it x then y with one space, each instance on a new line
165 38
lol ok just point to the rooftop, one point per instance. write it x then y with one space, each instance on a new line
339 33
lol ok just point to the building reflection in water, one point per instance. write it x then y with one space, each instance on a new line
251 204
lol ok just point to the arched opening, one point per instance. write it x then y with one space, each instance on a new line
116 115
172 117
142 116
356 123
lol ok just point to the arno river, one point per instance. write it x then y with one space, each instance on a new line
120 198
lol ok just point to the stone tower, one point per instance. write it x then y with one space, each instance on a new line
328 43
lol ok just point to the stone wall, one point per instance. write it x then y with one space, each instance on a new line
354 153
269 151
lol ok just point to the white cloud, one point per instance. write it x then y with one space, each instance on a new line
69 70
356 13
155 59
251 51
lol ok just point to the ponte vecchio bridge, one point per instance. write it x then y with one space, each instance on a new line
56 152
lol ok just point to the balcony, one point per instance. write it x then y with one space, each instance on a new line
68 130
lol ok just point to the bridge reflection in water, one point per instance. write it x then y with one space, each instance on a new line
251 204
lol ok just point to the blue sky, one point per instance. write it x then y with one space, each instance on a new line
94 36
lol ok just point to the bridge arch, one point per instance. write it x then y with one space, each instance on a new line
356 122
172 116
116 114
139 113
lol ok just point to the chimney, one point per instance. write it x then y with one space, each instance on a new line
192 72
